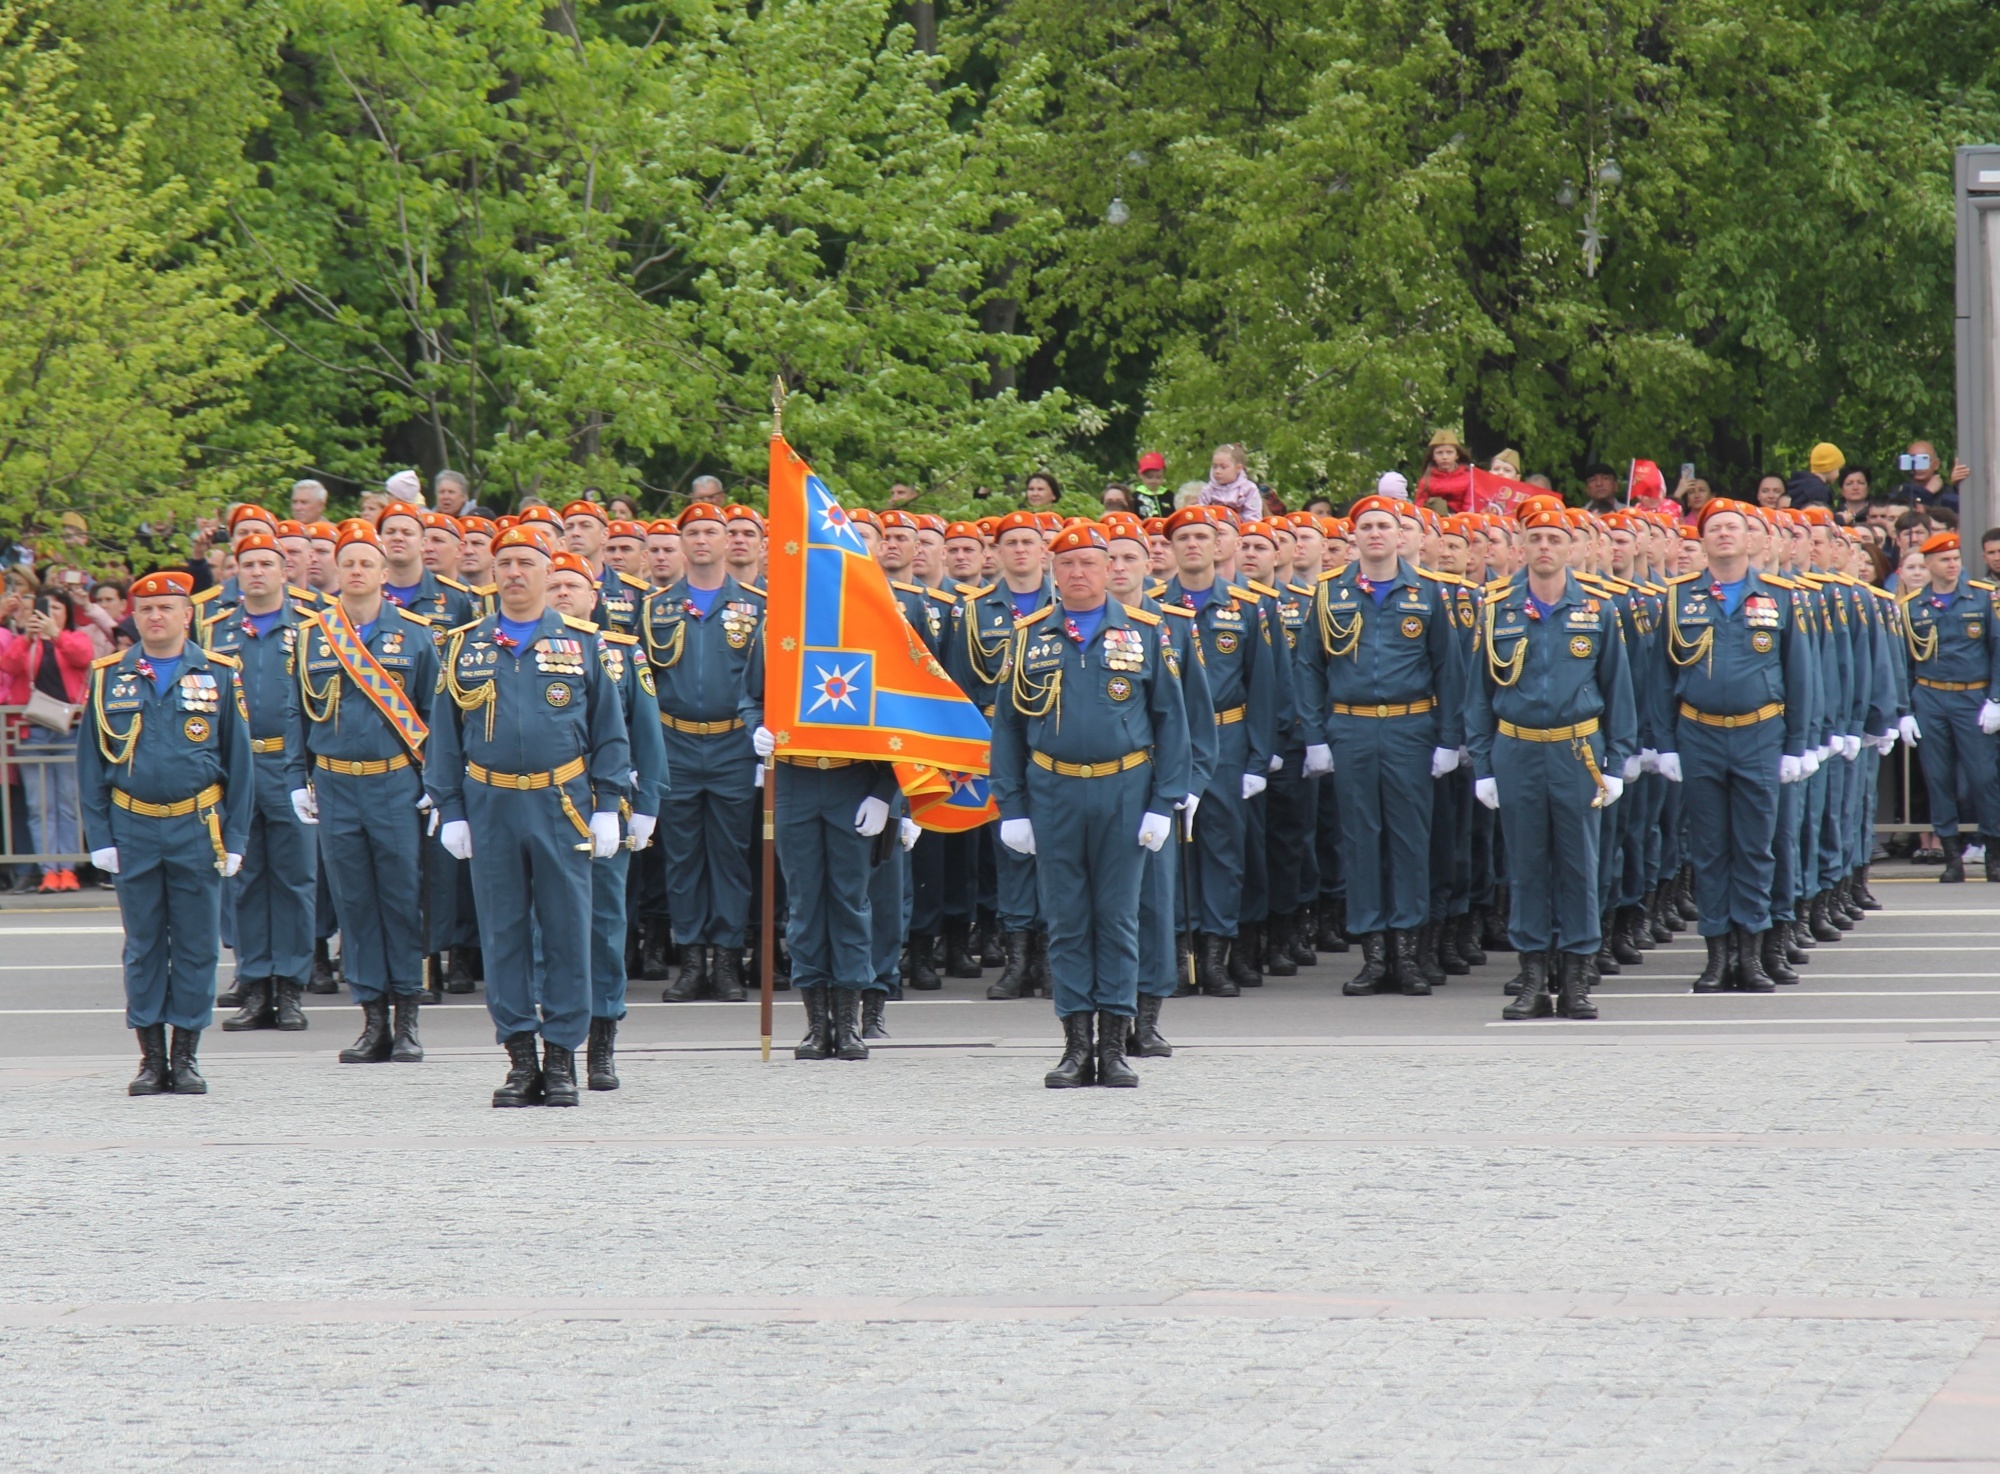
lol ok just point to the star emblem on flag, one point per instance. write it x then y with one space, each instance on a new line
836 687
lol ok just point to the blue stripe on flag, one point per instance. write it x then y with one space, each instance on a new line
938 716
825 570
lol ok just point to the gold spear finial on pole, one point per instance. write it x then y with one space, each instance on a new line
778 405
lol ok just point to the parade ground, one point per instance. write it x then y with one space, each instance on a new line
1701 1234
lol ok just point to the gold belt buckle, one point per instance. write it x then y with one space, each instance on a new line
1381 711
824 764
1083 770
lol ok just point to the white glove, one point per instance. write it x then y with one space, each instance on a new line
764 741
1614 789
1253 784
1634 766
1649 760
230 865
1790 769
305 803
1912 733
106 860
1187 806
1827 749
1443 760
1989 717
1887 741
871 818
1319 759
456 837
1277 762
1850 746
1808 763
603 835
1018 835
1154 829
1487 791
911 832
642 827
1670 766
423 803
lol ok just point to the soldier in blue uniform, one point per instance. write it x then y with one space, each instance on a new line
1738 668
1090 759
407 582
528 737
1550 720
1243 682
698 637
274 891
573 593
166 787
1949 630
1381 686
219 599
366 671
587 533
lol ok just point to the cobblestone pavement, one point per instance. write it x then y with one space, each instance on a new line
1492 1251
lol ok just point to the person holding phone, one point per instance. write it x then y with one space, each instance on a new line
52 661
1926 484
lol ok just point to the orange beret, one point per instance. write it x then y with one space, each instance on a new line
1016 522
255 542
1260 528
354 530
663 527
541 515
620 527
1129 528
864 514
159 585
702 512
1369 504
564 562
443 522
1689 533
249 512
1720 504
1340 527
987 524
524 535
289 528
895 518
1190 517
583 508
1940 542
930 522
969 531
470 525
505 521
1579 520
399 509
1817 516
1155 526
1079 538
322 532
1048 522
1461 525
1536 512
737 512
1620 521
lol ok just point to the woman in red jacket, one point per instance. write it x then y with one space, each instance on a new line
1447 473
53 658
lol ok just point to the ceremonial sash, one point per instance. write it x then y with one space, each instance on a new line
376 683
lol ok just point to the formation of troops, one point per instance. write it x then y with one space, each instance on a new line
527 753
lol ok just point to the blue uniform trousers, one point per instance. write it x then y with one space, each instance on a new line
706 820
1451 844
368 835
1017 901
1787 850
1731 803
535 895
1485 863
608 882
830 926
1091 869
1959 759
1552 844
1832 837
1255 905
1221 832
170 899
889 902
1327 840
937 882
275 890
326 920
1815 820
1672 846
1157 909
1383 767
1291 874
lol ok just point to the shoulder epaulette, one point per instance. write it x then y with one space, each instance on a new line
1181 610
753 589
103 660
208 593
1335 572
1153 591
486 591
617 637
1682 578
298 593
1494 585
1261 588
459 629
1904 598
1650 588
943 596
423 619
218 618
580 624
976 590
220 659
1983 583
908 588
1236 591
1783 583
451 583
1036 618
1299 589
1144 616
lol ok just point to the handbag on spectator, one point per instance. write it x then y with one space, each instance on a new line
45 711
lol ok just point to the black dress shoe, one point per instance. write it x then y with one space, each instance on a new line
1242 965
1147 1040
407 1048
376 1042
233 995
1750 974
1575 1000
558 1075
1771 953
1112 1069
600 1056
1077 1067
523 1086
923 970
152 1078
181 1065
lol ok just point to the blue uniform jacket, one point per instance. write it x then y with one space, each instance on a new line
1242 666
1360 653
699 663
268 669
1193 667
335 717
1552 670
1735 664
621 600
1952 637
445 602
979 636
626 668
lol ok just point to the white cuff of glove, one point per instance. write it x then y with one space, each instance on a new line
1319 759
1670 766
1154 829
1614 789
1018 835
603 835
1809 764
456 837
1989 717
1487 791
764 741
642 827
1253 784
1443 760
871 818
910 832
305 803
106 859
1912 733
230 865
1187 806
1790 769
1649 760
1634 766
1276 763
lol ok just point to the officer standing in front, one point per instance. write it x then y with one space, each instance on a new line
1550 720
529 738
1090 759
1950 631
166 788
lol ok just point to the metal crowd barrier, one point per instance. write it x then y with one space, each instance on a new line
34 766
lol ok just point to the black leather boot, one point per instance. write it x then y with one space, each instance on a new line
182 1066
1711 979
407 1049
232 996
1865 898
923 971
1211 967
1429 968
376 1041
725 971
459 976
1409 966
1533 1000
959 961
1836 907
1184 965
1493 924
1076 1068
523 1086
1690 910
1656 916
1112 1069
692 977
1575 1000
874 1005
601 1055
1771 953
1451 962
558 1075
1147 1040
152 1078
322 979
1332 926
1278 959
1039 976
1954 858
287 1013
845 1005
655 942
1243 969
1789 938
1301 929
1607 961
1822 927
1623 947
258 1010
1668 912
818 1042
988 951
1750 974
432 989
1802 928
1374 966
1013 979
1469 949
